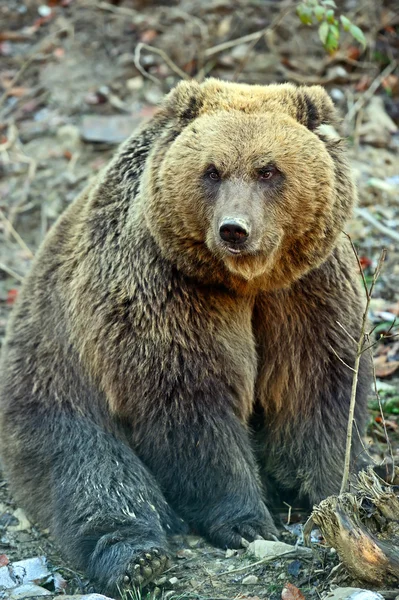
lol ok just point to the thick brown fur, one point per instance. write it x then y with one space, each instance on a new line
155 373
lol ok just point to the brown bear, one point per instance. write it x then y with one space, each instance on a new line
176 348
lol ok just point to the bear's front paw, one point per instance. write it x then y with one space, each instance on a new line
238 532
145 567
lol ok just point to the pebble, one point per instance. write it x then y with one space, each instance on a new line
69 137
173 580
25 572
193 541
84 597
185 553
28 590
269 549
250 580
349 593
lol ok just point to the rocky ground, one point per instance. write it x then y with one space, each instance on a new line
77 76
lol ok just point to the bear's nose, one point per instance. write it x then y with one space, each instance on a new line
234 231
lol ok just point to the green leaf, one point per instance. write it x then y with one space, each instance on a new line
332 41
323 32
329 3
319 12
345 23
358 34
305 14
334 31
330 18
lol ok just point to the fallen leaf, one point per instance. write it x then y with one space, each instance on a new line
148 36
11 296
3 560
291 592
385 369
389 424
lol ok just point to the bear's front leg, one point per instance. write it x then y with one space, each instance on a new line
305 381
203 461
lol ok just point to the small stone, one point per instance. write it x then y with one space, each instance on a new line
173 581
135 83
250 580
69 137
27 590
185 553
23 523
112 129
193 541
266 548
161 581
44 10
84 597
231 552
349 593
32 570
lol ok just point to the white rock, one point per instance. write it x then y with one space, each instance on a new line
32 569
173 580
23 521
80 597
349 593
269 549
135 83
250 580
28 590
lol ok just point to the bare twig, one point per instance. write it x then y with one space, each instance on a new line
362 444
141 46
15 234
365 97
27 63
347 332
266 559
340 359
359 349
11 272
364 213
389 445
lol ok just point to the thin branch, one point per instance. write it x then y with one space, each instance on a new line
365 97
360 344
141 46
359 264
364 213
266 559
340 359
347 332
15 234
377 395
362 444
27 63
11 272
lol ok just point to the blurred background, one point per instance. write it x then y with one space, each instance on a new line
78 76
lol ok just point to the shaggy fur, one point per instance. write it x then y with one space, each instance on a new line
153 375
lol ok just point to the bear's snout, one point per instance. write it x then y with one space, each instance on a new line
234 231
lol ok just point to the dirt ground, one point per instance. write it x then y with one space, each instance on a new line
76 78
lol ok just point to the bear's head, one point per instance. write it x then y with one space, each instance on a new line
242 186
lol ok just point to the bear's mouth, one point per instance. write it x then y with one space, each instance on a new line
233 250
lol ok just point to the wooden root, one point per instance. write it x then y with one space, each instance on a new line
363 527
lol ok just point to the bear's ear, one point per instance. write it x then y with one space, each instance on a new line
183 102
315 107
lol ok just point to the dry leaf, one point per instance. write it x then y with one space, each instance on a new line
291 592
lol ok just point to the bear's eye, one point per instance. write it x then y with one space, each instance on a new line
212 173
267 173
